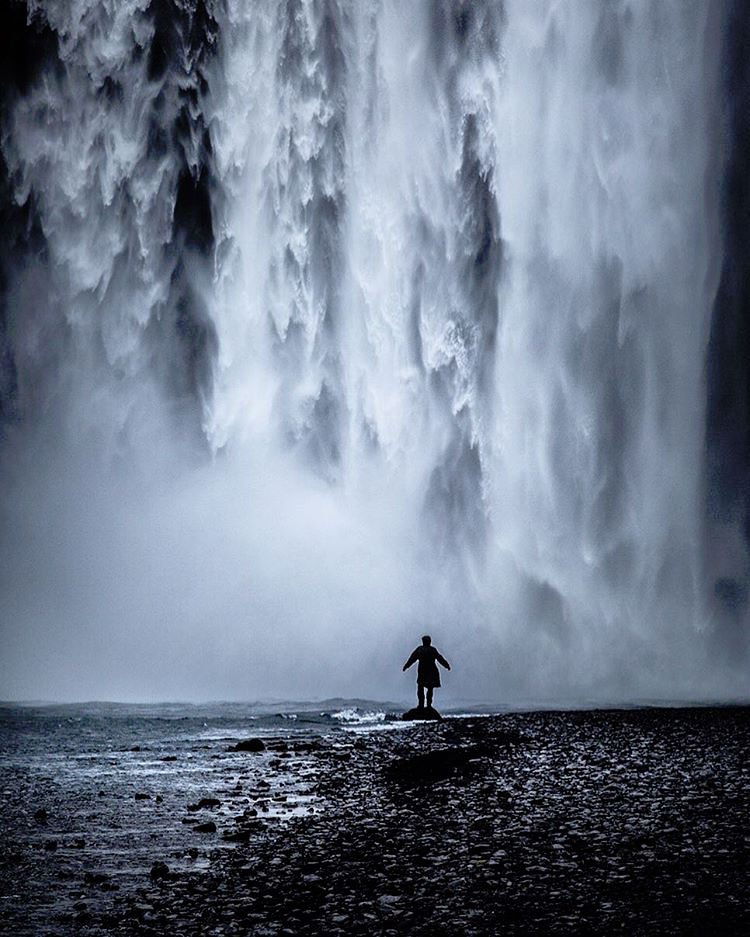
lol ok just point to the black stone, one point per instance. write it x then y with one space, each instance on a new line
426 713
435 765
159 870
248 745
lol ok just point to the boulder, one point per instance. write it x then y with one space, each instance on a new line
248 745
204 802
435 765
159 870
424 713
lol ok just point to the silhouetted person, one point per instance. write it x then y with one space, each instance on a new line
428 676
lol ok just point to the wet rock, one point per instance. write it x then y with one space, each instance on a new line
238 836
209 827
425 713
12 858
204 803
388 900
435 765
248 745
159 871
142 795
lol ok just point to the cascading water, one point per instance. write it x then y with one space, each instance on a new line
327 323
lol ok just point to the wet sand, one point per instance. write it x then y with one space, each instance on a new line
632 822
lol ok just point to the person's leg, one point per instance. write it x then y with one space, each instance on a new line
420 695
429 697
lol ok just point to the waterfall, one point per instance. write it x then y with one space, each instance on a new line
327 323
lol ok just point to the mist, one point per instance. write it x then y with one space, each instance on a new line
326 325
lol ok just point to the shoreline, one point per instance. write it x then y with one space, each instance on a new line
453 708
545 822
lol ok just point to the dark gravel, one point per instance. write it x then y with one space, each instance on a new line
632 822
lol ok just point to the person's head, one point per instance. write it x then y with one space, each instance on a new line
426 639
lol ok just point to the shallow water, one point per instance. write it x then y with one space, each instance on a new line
115 782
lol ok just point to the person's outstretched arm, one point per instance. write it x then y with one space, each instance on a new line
411 660
441 660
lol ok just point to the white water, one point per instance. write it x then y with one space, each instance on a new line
459 296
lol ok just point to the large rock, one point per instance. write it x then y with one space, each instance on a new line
159 870
436 765
248 745
425 713
204 802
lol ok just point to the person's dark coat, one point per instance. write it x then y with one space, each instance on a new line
427 673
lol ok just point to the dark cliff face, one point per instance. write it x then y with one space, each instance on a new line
728 370
24 48
179 56
728 354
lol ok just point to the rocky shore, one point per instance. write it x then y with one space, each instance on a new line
632 822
